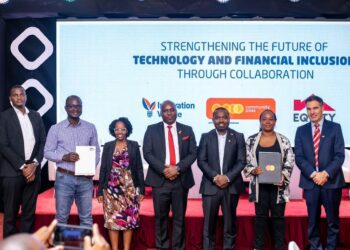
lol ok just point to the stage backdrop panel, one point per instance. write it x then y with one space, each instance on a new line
30 61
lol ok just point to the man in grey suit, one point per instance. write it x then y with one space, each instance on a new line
221 157
22 140
170 149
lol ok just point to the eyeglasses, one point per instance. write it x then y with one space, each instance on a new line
73 106
120 130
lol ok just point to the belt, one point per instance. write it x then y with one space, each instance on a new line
65 171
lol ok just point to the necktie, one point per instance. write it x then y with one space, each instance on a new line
317 136
171 147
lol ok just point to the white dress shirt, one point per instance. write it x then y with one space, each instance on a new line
221 144
27 132
176 143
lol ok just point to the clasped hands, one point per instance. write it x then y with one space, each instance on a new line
28 172
221 181
320 178
170 172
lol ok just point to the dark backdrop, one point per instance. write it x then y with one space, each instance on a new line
13 72
177 8
2 79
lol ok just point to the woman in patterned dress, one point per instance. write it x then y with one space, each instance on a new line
121 184
268 197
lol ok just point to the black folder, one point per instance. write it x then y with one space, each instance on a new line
271 163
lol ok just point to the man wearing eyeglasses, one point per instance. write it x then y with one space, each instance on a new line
60 147
170 148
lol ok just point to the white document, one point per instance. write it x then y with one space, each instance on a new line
87 160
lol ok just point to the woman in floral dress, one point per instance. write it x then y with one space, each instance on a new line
121 184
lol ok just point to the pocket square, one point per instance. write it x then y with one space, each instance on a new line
185 138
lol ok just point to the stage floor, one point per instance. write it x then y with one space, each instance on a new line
296 222
295 208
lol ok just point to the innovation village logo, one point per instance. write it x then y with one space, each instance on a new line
149 106
181 107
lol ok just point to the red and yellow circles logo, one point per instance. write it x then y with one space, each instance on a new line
233 108
241 108
270 168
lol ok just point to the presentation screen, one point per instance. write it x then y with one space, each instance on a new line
128 68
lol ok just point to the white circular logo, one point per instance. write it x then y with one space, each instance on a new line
222 1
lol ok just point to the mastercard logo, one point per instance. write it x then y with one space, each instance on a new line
234 108
240 108
270 168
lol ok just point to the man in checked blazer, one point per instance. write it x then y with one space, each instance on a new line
221 157
22 140
170 148
321 179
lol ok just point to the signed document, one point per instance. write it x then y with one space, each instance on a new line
271 163
87 160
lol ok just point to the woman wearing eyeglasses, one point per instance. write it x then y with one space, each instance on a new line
121 185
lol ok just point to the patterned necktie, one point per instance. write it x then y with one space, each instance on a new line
317 136
171 147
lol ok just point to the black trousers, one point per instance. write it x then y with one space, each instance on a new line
211 206
18 193
171 195
267 204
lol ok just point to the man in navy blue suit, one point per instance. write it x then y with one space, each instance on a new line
319 154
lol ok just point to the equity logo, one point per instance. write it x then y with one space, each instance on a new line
300 105
301 116
241 108
149 106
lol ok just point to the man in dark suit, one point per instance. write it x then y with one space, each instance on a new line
319 154
170 149
22 140
221 157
